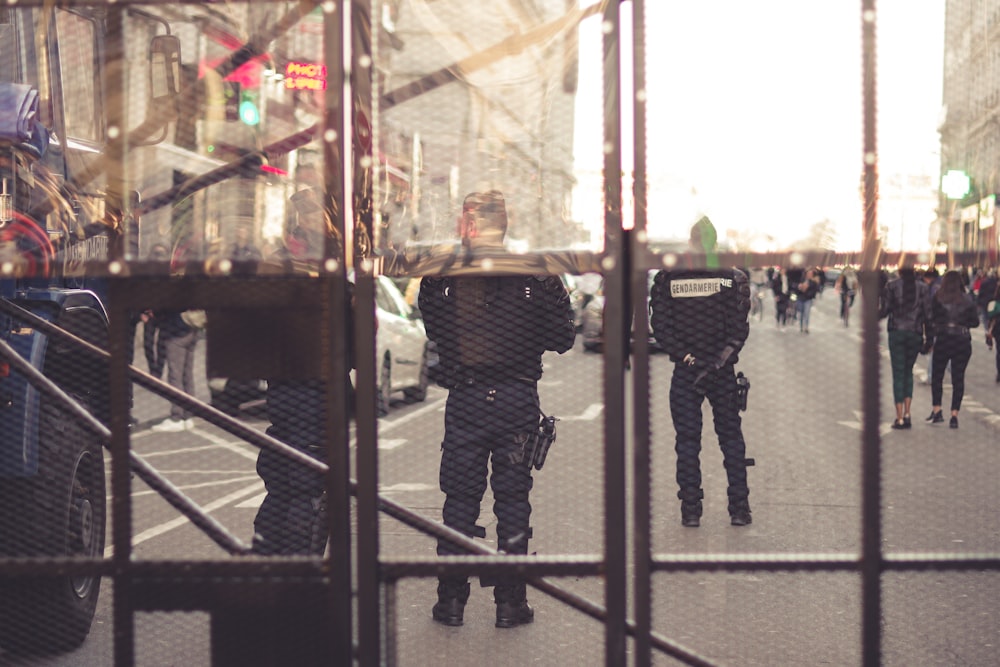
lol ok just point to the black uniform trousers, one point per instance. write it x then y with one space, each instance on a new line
488 423
719 387
292 518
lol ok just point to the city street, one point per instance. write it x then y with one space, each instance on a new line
802 428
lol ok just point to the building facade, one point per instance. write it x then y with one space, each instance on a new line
970 125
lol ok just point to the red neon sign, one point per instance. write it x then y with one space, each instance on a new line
305 76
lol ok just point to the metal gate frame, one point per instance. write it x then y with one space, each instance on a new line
214 586
625 261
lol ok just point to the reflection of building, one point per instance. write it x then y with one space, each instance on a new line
907 202
970 126
470 100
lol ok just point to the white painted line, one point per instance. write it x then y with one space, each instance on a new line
430 407
217 471
407 486
592 412
202 485
255 502
166 527
252 503
171 452
389 443
236 447
883 429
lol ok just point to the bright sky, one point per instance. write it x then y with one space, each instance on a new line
754 113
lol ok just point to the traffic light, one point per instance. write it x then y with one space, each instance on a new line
241 103
249 111
233 96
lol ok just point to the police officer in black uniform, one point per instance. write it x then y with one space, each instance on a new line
292 518
491 333
700 317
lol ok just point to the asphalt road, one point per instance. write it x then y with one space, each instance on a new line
803 430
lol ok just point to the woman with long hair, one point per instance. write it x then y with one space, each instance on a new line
953 313
906 302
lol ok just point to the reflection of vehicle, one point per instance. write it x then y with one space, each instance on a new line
402 354
54 213
757 301
577 298
830 275
592 321
404 357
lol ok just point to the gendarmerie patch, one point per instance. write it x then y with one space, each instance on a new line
698 287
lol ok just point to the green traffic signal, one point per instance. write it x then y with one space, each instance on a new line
249 113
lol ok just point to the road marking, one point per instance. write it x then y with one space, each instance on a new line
430 407
252 503
858 426
166 527
592 412
171 452
202 485
237 447
391 443
406 486
255 502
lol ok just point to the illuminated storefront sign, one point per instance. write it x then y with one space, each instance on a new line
987 208
305 76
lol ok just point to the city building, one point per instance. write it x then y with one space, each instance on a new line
970 127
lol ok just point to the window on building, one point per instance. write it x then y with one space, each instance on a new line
77 52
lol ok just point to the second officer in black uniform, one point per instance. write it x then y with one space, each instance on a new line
491 332
700 317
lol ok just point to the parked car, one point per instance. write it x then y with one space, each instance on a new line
405 358
403 355
592 321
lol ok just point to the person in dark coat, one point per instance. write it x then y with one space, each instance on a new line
700 318
905 301
953 313
491 332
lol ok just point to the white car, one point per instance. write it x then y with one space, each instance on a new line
402 352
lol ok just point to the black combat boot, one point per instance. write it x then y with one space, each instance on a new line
691 513
690 507
739 512
512 606
450 607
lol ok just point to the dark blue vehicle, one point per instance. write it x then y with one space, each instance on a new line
54 220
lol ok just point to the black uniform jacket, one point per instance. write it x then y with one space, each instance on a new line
701 313
495 328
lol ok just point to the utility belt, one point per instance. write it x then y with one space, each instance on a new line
956 329
488 376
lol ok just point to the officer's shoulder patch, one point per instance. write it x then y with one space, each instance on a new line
698 287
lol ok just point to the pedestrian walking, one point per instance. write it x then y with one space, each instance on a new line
699 317
993 326
808 290
953 314
179 342
781 298
154 346
847 287
491 332
906 302
985 293
933 280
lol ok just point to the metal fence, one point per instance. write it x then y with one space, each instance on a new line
294 171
